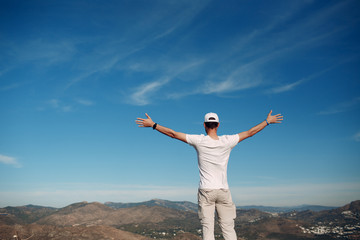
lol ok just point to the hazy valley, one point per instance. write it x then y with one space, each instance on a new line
161 219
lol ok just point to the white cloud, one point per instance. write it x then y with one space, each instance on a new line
243 52
44 51
240 78
142 94
10 161
85 102
231 84
58 105
177 14
342 107
357 137
252 58
236 79
9 87
151 27
54 103
286 87
62 106
95 63
292 86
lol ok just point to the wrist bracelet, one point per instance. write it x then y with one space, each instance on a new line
154 126
267 123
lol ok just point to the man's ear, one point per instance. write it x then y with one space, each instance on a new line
206 129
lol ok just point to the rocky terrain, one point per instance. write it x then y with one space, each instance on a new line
161 219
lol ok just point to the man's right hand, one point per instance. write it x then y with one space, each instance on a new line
145 122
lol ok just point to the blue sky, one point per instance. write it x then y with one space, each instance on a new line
74 76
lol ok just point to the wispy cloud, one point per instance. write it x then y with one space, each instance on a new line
66 106
44 51
58 105
142 95
153 30
94 63
238 80
10 86
40 53
85 102
145 31
287 87
4 69
226 76
242 43
9 161
357 137
342 107
291 86
292 39
172 19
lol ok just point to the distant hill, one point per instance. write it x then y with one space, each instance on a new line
26 214
341 215
94 214
353 206
180 205
251 215
315 208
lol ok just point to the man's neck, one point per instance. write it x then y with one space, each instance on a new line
213 134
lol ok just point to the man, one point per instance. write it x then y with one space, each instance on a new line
213 153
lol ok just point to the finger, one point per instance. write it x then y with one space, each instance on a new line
147 115
270 113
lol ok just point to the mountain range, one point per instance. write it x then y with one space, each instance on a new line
182 205
315 208
162 219
189 206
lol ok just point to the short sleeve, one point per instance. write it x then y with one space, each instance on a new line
192 139
233 140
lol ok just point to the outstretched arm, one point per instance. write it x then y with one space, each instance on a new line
269 120
148 122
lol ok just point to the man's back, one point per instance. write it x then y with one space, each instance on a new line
213 157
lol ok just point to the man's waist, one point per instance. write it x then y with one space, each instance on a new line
213 186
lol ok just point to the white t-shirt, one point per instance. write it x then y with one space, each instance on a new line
213 158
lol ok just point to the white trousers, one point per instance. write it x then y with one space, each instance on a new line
220 200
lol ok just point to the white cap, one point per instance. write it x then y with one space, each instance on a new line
211 117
